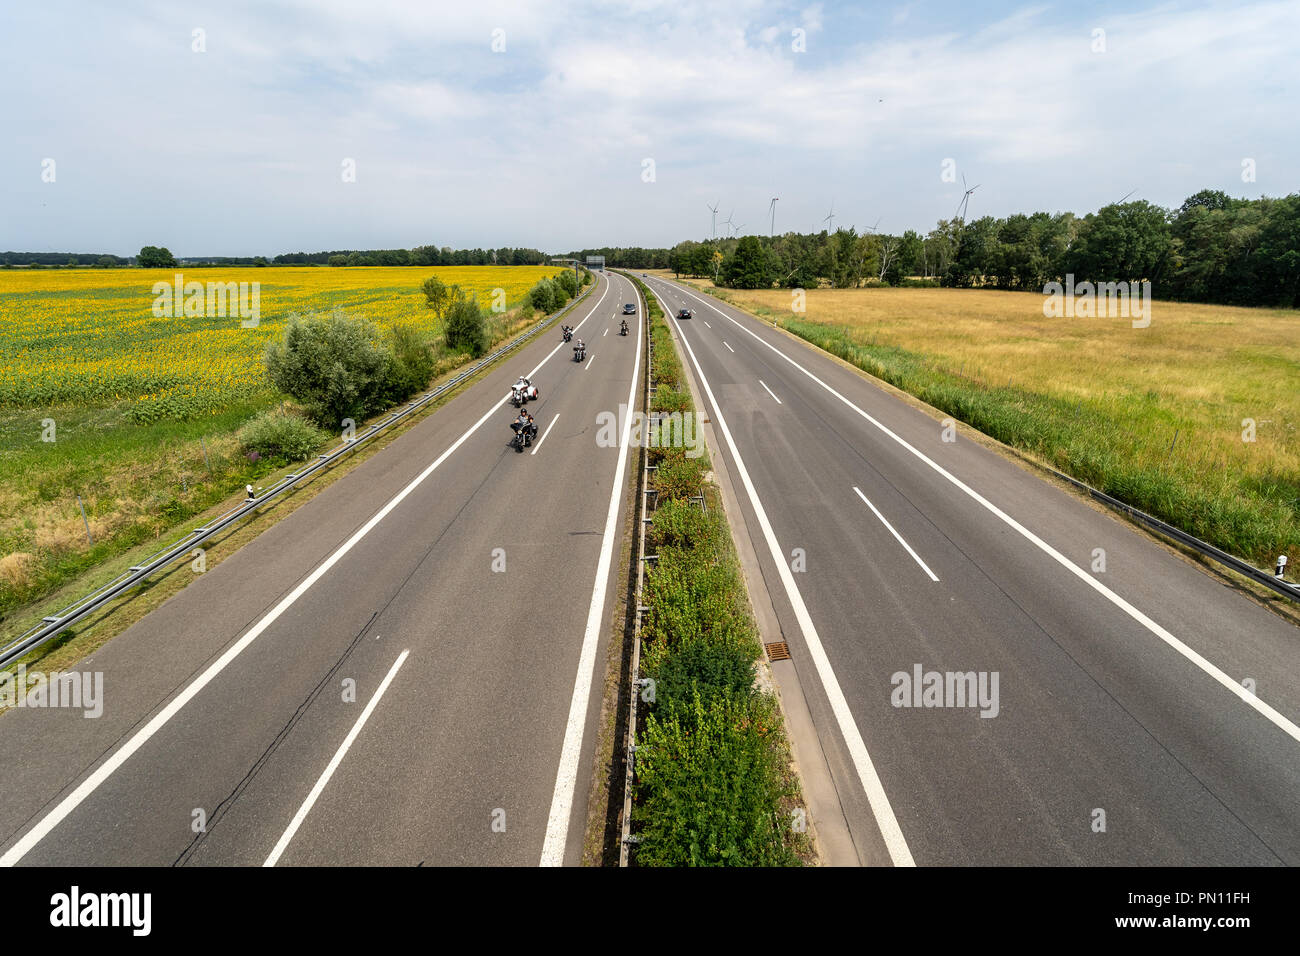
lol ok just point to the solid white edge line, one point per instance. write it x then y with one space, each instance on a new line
1278 719
886 821
538 446
770 392
566 777
333 765
915 557
32 837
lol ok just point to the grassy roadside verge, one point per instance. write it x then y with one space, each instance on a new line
94 631
714 783
1156 421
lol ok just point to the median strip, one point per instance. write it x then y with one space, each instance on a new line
713 783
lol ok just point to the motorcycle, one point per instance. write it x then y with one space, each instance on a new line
568 333
524 435
622 329
579 353
522 392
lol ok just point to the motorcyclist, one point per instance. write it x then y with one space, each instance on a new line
525 424
622 330
566 332
524 386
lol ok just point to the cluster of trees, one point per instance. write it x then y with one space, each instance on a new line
464 325
1213 248
160 257
550 295
633 257
419 256
38 260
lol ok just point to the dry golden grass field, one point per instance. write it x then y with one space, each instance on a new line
1195 418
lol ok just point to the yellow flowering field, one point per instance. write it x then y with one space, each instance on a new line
90 336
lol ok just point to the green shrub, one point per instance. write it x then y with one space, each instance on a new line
678 476
680 524
703 664
568 282
668 399
335 365
413 365
699 596
466 327
280 437
540 295
710 783
558 297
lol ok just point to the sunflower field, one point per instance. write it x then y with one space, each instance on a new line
136 417
90 336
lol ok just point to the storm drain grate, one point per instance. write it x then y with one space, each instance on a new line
777 651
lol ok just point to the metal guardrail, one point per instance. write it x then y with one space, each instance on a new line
626 839
53 625
1281 586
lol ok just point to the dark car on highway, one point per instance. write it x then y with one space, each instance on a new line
684 313
629 308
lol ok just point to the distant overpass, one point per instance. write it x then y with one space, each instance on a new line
593 262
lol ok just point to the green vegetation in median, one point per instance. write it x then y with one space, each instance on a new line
714 784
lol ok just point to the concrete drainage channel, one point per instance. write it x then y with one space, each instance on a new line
52 626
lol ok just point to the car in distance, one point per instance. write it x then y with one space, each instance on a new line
684 313
629 308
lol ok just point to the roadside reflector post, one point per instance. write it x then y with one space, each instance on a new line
1281 565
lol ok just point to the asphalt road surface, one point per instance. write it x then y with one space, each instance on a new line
1121 731
363 683
358 685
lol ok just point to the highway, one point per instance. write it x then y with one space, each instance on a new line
363 684
1120 733
398 673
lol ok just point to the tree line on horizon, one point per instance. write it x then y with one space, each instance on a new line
160 257
1213 248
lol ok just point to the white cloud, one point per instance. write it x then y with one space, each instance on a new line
544 141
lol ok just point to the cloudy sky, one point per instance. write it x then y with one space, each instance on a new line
584 124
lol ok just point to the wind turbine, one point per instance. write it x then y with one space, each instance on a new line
830 218
714 209
965 200
772 209
739 226
729 222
